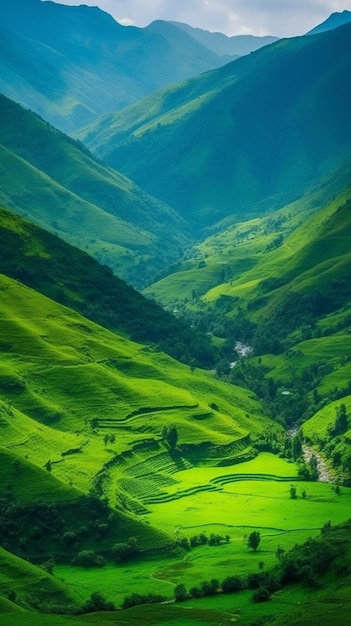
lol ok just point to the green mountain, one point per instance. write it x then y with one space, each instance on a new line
242 139
71 64
80 408
58 184
47 264
280 283
237 45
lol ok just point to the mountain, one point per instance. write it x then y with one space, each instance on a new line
333 21
66 383
58 184
234 46
46 263
279 283
73 63
240 140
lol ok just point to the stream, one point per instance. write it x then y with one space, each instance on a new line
324 474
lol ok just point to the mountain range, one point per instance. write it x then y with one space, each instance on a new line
73 63
243 139
145 446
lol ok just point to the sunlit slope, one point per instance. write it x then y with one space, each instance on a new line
55 360
70 276
297 260
31 587
243 139
89 405
56 183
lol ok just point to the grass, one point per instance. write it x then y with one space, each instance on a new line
32 584
235 508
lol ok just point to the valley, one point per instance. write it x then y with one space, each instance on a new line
175 323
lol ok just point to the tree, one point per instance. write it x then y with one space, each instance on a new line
279 553
293 494
97 602
180 593
232 583
170 434
253 540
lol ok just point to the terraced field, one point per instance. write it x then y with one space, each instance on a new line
228 501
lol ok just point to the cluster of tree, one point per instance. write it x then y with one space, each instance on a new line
263 584
341 423
88 558
282 443
124 551
202 539
137 598
302 399
305 563
109 438
48 529
97 602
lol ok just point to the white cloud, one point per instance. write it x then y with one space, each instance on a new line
233 17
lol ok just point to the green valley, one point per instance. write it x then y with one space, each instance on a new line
177 455
241 140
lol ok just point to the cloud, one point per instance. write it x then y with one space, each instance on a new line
233 17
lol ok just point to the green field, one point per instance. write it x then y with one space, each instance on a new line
230 501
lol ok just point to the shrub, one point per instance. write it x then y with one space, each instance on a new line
88 558
261 595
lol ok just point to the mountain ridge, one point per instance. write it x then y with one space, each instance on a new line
244 136
88 64
83 200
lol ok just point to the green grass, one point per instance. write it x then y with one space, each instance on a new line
33 585
240 502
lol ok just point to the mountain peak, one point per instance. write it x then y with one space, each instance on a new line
334 20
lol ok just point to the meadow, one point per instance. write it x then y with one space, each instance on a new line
228 501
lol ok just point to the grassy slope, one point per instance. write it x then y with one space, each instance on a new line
289 274
59 185
233 262
67 382
31 586
239 139
45 263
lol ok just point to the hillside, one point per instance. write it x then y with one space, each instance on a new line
72 277
280 284
242 139
58 184
73 63
66 383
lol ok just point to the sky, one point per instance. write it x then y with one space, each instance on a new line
283 18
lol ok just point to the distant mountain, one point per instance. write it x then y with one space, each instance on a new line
237 45
58 184
73 63
334 21
242 139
